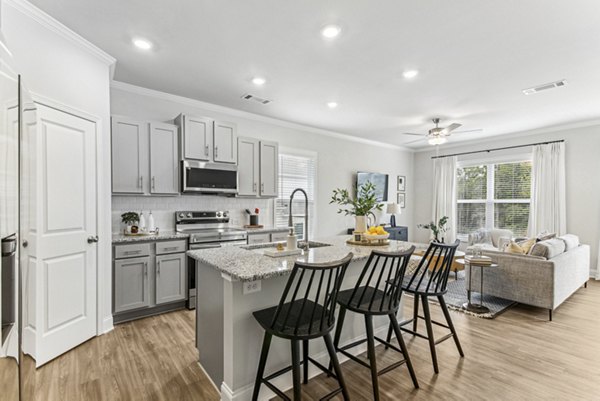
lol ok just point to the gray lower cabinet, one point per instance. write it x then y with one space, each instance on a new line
149 278
171 273
264 238
131 284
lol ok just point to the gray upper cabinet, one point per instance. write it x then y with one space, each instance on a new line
269 163
164 172
248 166
131 289
171 273
197 137
225 142
129 155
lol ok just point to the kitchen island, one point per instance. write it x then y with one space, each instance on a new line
232 282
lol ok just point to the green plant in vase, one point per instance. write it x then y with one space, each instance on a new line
130 219
360 206
438 229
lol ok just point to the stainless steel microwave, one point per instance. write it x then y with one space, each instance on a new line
214 178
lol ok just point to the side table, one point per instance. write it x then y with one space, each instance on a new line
471 307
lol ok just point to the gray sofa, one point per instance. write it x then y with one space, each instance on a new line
545 282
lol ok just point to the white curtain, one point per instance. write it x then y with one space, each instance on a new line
548 210
444 194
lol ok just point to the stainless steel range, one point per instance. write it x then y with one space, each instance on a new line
207 229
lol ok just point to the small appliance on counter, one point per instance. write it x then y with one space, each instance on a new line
253 219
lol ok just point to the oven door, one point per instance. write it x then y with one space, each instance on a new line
192 270
200 177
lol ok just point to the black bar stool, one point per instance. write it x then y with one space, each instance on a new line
306 311
430 280
377 292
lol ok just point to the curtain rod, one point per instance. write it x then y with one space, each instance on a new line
496 149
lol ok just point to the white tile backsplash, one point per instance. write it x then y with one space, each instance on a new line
164 207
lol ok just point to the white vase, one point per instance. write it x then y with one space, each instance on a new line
360 224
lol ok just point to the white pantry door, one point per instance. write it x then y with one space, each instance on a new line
66 221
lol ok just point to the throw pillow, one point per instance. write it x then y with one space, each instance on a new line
571 241
548 248
527 244
515 248
545 236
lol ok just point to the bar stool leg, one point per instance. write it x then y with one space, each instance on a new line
430 333
296 369
338 332
415 312
336 365
371 354
305 357
450 324
394 324
264 353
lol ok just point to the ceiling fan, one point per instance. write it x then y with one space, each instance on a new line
438 135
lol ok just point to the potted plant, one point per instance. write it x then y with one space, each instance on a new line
438 229
130 219
360 207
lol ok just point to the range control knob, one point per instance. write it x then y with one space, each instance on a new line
225 214
189 215
181 215
219 214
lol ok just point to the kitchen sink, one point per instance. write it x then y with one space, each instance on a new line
311 244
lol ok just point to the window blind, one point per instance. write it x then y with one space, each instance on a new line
295 171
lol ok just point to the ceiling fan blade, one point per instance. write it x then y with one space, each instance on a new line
450 128
468 131
410 133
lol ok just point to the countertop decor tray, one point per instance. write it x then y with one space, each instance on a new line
369 243
279 254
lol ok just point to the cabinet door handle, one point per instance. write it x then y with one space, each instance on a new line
132 252
206 150
145 268
262 187
255 187
152 182
141 181
158 265
216 151
172 248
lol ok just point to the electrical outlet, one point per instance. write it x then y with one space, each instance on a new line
251 286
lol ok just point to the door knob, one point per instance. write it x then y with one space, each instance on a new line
92 238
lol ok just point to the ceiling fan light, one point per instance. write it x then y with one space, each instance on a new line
437 140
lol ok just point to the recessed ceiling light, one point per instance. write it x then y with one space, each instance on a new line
409 74
258 81
332 105
331 31
142 44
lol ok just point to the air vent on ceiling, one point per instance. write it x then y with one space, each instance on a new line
544 87
248 96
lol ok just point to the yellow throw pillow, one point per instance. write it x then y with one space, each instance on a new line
513 247
526 245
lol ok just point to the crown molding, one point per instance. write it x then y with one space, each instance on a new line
57 27
245 114
517 134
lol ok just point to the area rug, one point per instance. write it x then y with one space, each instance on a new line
457 296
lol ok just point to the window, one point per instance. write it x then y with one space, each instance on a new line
494 195
296 171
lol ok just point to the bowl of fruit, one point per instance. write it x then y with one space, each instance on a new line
376 233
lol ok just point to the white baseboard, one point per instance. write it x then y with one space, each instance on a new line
284 382
107 325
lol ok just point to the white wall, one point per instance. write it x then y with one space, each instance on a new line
582 172
338 158
60 66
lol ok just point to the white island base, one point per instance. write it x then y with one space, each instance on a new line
229 339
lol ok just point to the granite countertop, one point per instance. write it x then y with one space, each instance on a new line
118 238
247 263
265 230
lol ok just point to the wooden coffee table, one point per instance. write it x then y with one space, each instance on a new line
455 267
471 307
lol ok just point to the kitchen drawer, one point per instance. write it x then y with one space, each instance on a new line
279 237
259 239
132 250
163 247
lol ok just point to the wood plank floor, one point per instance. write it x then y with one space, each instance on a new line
517 356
